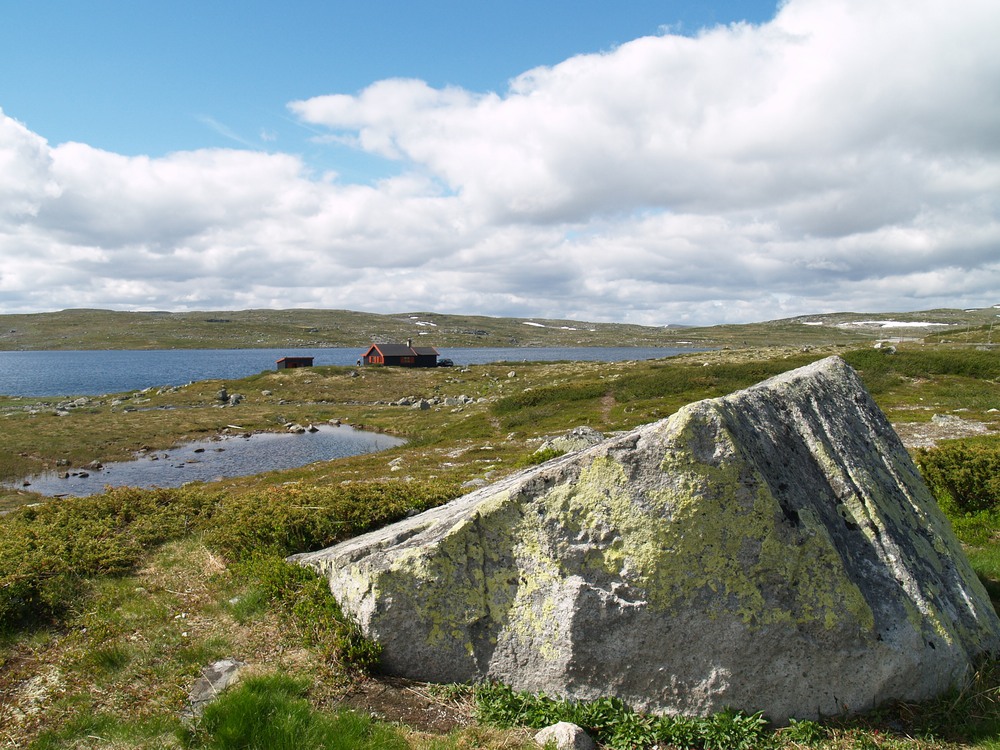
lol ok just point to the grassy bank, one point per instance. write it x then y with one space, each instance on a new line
110 605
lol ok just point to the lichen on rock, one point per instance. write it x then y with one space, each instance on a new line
774 550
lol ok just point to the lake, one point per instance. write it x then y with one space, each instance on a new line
94 373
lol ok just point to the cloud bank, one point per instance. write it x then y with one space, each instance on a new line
844 156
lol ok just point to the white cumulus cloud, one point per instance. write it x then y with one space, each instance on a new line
845 155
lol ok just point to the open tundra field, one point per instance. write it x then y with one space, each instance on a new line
111 605
105 329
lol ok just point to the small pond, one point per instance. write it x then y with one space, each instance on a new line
209 460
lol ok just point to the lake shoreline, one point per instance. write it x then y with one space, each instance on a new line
77 373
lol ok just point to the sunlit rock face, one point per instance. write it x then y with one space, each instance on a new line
772 550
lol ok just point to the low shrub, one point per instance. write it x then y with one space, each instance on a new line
541 456
695 382
964 478
304 601
49 552
297 518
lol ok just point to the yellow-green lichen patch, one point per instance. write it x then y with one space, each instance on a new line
712 535
532 613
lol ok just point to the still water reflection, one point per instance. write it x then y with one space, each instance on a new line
208 460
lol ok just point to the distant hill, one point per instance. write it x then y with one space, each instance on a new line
275 329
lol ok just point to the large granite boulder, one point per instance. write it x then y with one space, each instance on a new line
772 550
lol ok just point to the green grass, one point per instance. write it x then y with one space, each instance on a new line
271 713
87 730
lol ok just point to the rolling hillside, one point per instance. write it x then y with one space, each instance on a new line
106 329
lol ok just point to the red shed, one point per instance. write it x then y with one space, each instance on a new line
401 355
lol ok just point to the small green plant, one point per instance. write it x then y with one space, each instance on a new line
271 712
108 659
614 724
733 730
804 732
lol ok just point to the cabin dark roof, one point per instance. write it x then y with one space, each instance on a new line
402 350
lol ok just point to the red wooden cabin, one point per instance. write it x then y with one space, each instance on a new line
401 355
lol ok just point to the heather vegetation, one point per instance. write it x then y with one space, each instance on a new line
110 605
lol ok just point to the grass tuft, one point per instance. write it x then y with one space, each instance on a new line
272 713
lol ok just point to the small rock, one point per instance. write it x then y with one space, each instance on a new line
566 736
215 678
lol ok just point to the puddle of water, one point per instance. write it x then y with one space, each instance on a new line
209 460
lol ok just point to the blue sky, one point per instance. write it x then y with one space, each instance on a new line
650 162
151 78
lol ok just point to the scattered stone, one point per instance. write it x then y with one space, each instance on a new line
222 395
235 399
565 736
775 550
296 428
423 405
266 393
215 678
